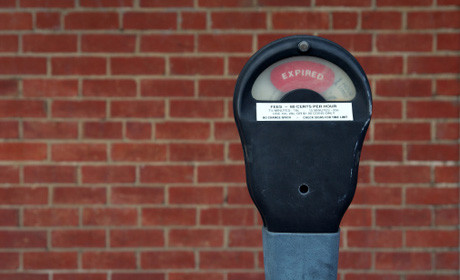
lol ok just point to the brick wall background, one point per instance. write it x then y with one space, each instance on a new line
120 159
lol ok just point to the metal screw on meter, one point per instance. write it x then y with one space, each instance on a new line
302 106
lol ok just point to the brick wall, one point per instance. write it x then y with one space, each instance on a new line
120 160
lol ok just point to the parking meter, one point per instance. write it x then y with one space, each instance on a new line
302 105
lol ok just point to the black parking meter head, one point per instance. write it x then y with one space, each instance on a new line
302 158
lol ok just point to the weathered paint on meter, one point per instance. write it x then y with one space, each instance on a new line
302 105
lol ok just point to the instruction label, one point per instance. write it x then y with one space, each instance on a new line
342 111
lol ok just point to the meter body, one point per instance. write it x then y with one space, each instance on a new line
302 106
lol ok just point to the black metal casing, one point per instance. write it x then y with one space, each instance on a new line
280 156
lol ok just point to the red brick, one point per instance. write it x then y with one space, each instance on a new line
193 20
22 65
447 260
78 238
155 20
448 87
170 3
22 239
238 195
196 152
447 2
91 20
235 152
79 152
350 3
447 217
24 276
247 275
382 64
8 43
235 64
138 130
108 43
357 218
109 260
402 131
23 195
375 238
355 260
137 65
403 87
48 20
50 260
9 129
9 88
381 20
448 41
22 109
183 130
167 43
109 88
433 19
49 43
224 43
447 174
167 260
196 237
8 217
369 276
108 174
221 173
404 42
387 109
432 109
47 4
300 20
344 20
110 217
106 3
226 260
102 130
193 195
432 196
137 195
15 21
79 195
403 217
125 238
352 41
245 238
167 174
433 152
138 276
404 3
196 65
402 174
78 65
138 152
39 217
225 131
432 277
168 216
433 64
49 174
167 88
79 109
22 151
9 261
225 3
138 109
382 152
9 174
49 88
403 261
227 216
8 3
79 276
238 20
196 276
378 196
216 88
196 108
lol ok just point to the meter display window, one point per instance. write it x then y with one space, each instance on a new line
303 72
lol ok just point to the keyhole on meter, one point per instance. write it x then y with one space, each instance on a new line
303 189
